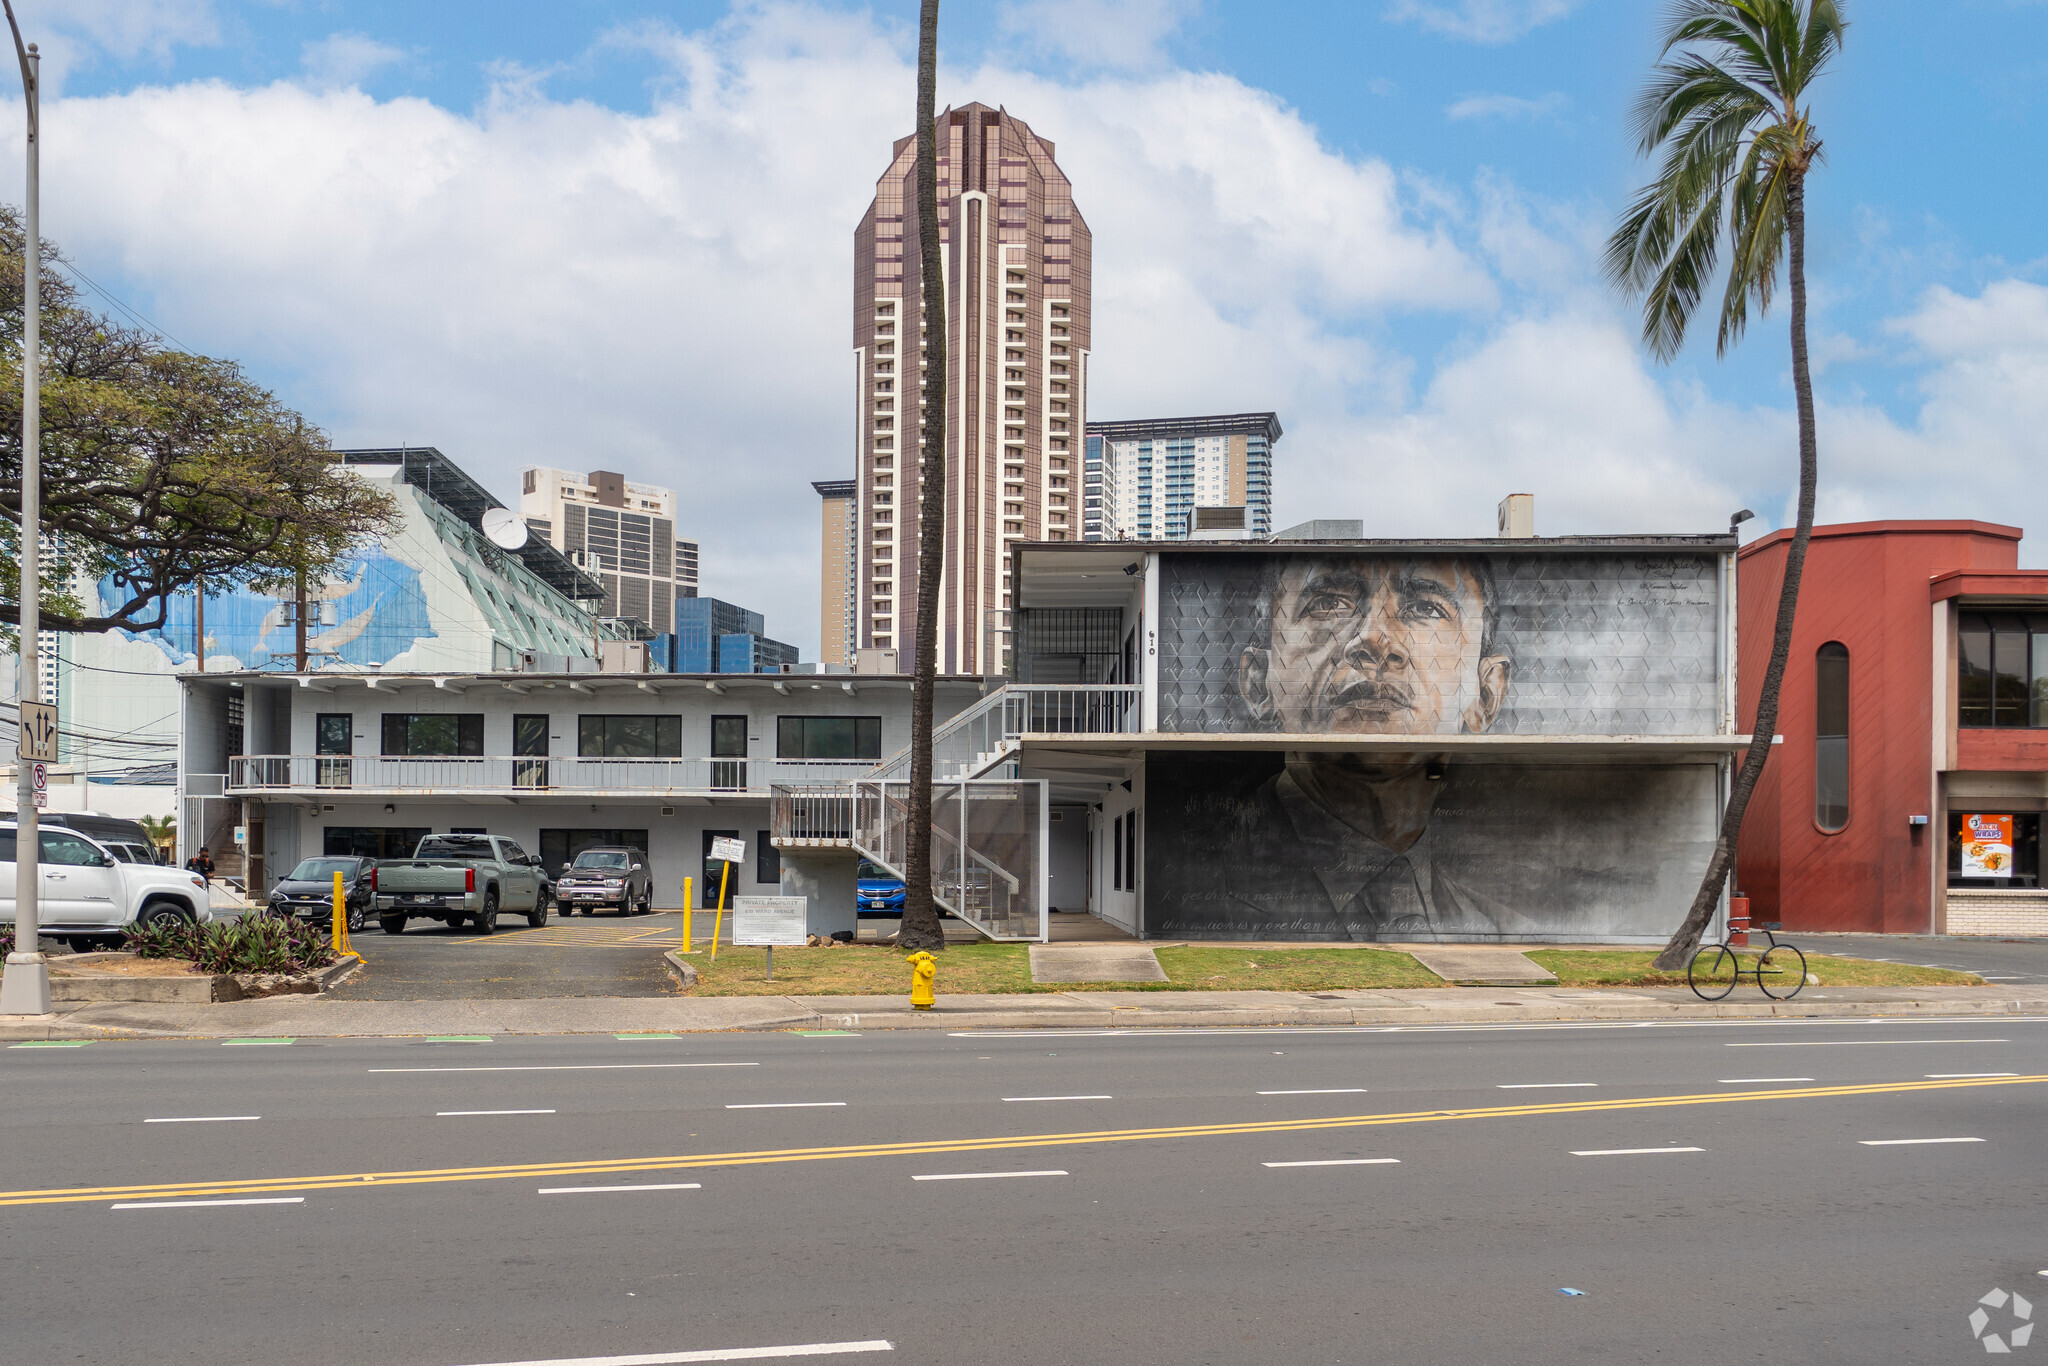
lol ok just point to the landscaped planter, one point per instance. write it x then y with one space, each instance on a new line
124 977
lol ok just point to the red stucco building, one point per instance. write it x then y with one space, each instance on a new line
1908 791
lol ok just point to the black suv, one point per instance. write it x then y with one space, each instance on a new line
307 891
608 876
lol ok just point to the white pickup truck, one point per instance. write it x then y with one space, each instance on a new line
461 879
87 896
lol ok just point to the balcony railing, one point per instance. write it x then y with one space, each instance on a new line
971 744
518 775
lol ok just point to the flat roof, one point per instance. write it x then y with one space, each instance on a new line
452 681
1221 424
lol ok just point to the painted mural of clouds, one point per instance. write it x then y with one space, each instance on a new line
1481 21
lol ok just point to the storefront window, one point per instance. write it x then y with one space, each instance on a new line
2002 669
1831 736
1994 849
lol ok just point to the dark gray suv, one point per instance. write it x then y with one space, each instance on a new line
606 877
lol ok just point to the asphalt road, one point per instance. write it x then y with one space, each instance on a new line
603 955
1995 960
1794 1206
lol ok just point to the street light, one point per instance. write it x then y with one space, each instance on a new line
25 983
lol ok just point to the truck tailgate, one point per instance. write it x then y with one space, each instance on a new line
432 876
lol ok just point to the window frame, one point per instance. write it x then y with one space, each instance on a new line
469 734
1831 716
2001 635
667 740
864 737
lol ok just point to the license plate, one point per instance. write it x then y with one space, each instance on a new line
877 905
416 899
589 896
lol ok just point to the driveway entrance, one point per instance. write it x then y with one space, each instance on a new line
604 956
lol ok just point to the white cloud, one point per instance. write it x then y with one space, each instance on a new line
1481 21
80 33
1507 106
1097 33
344 59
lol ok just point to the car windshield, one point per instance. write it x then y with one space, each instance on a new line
602 858
870 871
323 869
129 853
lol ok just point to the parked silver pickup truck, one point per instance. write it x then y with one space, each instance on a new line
461 879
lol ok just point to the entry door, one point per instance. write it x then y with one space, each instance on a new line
728 743
334 735
707 895
80 885
530 742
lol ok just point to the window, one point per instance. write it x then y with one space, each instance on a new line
419 735
1131 852
1116 844
369 841
334 733
629 737
558 847
59 847
728 737
1994 849
828 737
767 860
715 872
2002 669
1831 736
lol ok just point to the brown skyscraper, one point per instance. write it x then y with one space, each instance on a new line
1017 267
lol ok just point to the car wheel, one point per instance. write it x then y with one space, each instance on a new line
647 905
487 922
538 916
566 910
357 917
159 913
391 924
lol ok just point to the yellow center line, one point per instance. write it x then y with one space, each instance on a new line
928 1147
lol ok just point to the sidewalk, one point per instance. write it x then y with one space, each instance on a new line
325 1017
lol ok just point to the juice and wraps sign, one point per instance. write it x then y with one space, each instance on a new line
1987 846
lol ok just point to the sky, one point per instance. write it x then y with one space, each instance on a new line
618 235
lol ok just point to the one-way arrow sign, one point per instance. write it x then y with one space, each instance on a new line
38 732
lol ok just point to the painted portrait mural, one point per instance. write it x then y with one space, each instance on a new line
1370 844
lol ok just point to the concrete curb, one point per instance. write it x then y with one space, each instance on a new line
684 973
70 986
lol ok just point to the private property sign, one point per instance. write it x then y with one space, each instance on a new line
724 850
770 920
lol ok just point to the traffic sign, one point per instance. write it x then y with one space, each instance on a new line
42 777
39 731
724 849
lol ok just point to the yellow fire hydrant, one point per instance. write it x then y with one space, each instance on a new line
923 968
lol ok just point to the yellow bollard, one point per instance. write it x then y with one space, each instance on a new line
689 885
923 968
718 924
340 932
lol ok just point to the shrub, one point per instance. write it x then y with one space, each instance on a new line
249 943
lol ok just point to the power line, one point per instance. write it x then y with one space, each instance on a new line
124 309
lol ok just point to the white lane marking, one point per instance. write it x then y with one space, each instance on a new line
790 1105
1262 1031
1340 1162
1324 1091
1758 1081
452 1114
1542 1085
571 1067
1014 1099
600 1190
208 1204
1989 978
1946 1076
255 1043
805 1349
1846 1043
980 1176
1908 1142
1629 1152
201 1119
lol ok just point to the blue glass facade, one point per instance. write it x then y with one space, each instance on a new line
713 636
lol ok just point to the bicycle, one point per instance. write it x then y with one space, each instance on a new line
1719 966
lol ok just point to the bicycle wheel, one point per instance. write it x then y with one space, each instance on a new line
1781 972
1712 971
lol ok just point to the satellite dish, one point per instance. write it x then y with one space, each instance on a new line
505 527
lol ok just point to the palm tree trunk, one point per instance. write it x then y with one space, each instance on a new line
1686 940
921 928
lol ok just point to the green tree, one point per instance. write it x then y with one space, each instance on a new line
162 830
160 469
921 928
1726 111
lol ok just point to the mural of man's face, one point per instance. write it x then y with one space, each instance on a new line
1376 645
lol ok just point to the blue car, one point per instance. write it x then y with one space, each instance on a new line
878 893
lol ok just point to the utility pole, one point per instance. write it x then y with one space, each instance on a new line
25 984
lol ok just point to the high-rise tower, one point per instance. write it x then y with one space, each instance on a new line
1017 266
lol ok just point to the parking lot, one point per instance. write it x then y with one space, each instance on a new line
605 955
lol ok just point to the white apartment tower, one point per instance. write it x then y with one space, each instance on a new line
1017 266
623 534
1144 479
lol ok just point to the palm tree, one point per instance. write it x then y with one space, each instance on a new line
1725 109
162 830
921 928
